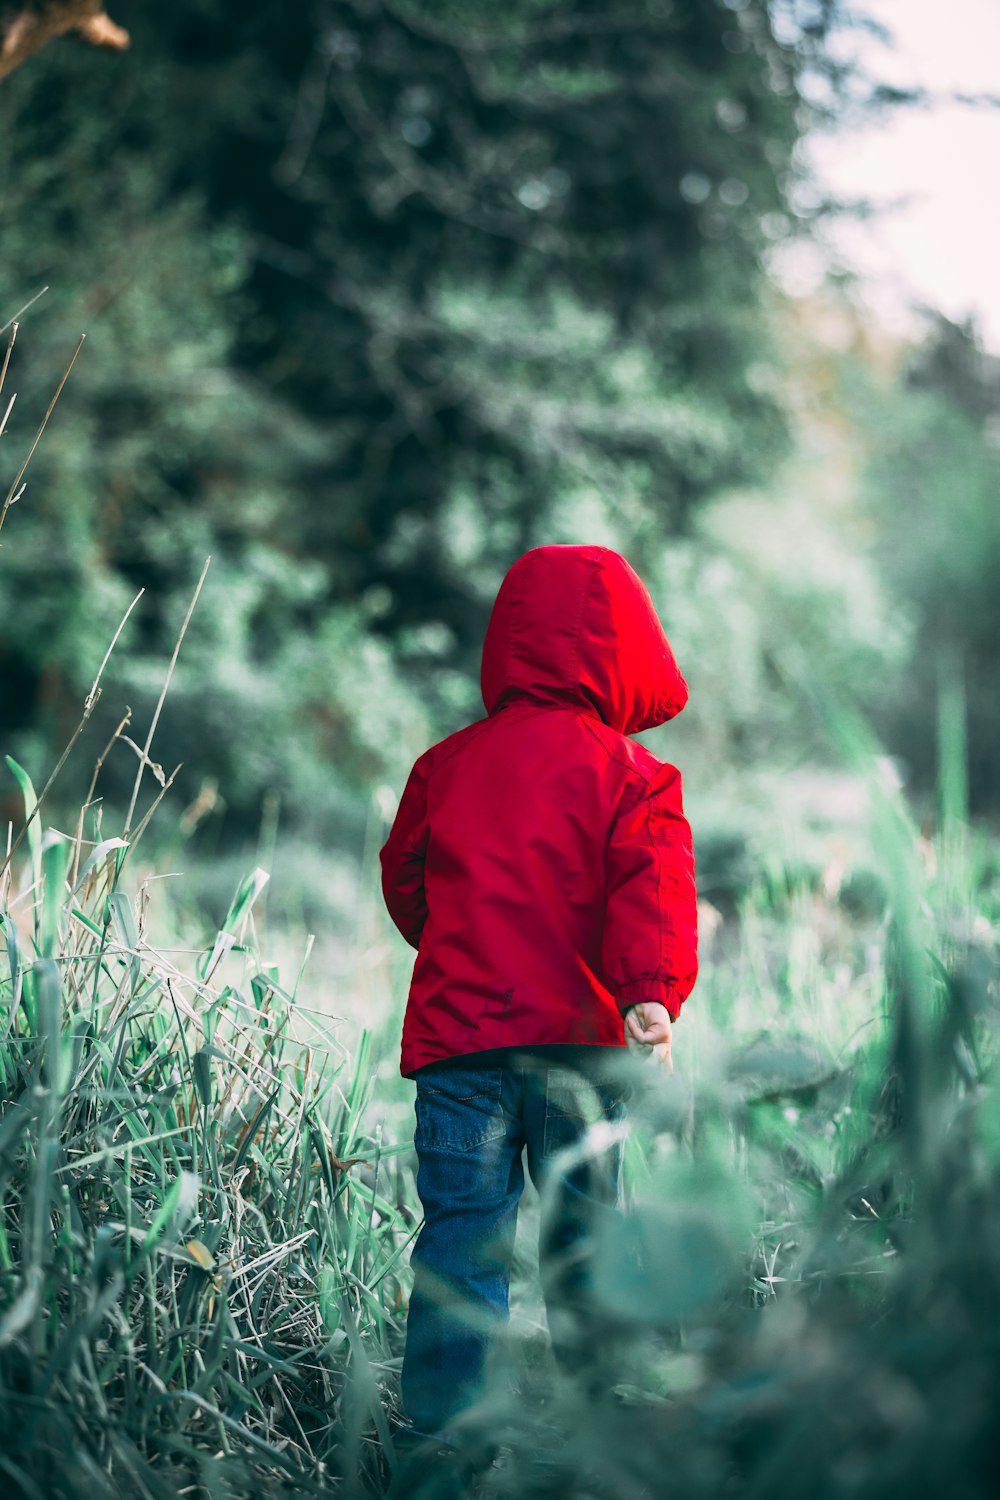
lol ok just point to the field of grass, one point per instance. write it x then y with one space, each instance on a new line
207 1185
207 1201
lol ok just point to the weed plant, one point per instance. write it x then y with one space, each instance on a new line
195 1233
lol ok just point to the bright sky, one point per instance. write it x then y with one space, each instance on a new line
942 245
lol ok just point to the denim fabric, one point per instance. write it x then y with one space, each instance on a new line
473 1124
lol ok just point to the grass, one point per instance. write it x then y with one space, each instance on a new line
196 1234
203 1245
205 1211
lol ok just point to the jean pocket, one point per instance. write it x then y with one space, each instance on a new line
459 1109
574 1102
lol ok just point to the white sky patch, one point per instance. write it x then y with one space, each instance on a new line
935 170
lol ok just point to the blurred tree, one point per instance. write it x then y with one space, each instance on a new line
932 486
380 293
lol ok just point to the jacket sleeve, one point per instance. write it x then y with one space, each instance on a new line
402 858
650 940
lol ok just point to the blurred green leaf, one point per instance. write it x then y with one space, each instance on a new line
122 917
55 858
34 831
769 1069
177 1208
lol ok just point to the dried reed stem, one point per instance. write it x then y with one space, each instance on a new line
91 696
88 800
38 434
163 694
14 325
30 303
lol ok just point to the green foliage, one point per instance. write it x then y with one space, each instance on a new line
932 484
377 296
203 1237
182 1162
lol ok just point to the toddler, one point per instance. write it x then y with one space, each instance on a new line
541 865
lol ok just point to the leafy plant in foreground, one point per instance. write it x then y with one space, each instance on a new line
194 1234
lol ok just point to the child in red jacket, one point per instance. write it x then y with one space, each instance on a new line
541 864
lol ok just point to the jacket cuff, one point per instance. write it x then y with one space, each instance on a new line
649 989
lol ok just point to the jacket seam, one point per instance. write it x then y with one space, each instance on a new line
585 593
436 764
648 784
628 765
516 606
659 885
668 984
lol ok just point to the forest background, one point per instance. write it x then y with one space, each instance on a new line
377 296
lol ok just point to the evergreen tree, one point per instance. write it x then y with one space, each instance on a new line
379 293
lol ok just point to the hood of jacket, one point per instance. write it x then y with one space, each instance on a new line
575 626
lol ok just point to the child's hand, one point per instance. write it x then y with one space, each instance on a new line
648 1030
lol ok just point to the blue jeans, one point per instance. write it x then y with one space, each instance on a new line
472 1125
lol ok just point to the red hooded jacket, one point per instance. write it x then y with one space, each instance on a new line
540 861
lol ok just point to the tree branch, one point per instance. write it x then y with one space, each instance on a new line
25 31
